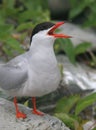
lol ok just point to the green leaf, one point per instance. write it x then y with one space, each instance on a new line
81 48
9 3
93 6
91 20
69 121
14 44
12 47
68 48
5 31
24 26
85 102
74 12
65 104
76 9
25 16
94 127
26 103
2 20
7 51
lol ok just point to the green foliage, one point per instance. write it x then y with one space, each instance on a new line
85 102
94 128
17 16
24 26
66 104
78 7
68 109
26 10
5 31
88 7
68 120
63 108
81 48
13 45
93 62
67 46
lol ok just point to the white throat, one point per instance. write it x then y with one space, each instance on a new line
42 52
42 42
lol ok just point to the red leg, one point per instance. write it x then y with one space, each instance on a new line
35 109
18 113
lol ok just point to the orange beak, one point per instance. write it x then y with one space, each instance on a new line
51 31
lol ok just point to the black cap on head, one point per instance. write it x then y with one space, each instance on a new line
40 27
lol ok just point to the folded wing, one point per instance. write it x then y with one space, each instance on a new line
12 77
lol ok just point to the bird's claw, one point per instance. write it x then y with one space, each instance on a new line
21 115
38 113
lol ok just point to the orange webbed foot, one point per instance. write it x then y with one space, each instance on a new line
21 115
38 113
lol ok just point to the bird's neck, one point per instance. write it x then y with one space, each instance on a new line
42 51
39 45
42 57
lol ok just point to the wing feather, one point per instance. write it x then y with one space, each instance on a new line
12 76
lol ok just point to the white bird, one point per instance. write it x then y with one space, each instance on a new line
34 73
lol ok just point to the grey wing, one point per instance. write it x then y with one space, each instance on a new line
12 77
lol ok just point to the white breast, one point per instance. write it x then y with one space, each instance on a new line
44 75
43 71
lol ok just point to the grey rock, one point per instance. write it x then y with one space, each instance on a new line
89 125
8 120
79 34
77 77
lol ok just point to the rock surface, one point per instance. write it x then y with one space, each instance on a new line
79 34
77 77
90 125
8 120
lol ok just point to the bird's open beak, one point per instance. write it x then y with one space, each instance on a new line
51 31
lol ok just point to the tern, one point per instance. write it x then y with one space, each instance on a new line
34 73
